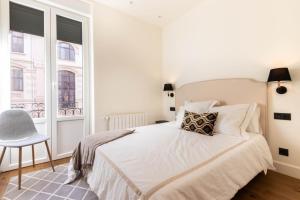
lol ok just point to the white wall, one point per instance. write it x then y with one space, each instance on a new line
4 61
234 38
127 55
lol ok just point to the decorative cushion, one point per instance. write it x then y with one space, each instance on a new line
196 107
199 123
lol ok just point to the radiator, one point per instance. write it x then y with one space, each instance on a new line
125 120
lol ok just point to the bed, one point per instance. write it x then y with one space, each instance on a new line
161 161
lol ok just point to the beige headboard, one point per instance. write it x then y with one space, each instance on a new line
227 91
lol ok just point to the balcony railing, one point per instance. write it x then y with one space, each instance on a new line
37 110
73 111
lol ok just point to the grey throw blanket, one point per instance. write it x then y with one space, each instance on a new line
84 154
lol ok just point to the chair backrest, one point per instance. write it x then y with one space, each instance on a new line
16 125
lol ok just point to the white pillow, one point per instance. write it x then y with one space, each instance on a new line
196 107
199 106
254 124
179 116
233 119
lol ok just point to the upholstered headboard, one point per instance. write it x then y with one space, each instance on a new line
227 91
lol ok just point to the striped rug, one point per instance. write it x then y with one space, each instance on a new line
48 185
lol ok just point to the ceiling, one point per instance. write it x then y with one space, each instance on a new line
159 12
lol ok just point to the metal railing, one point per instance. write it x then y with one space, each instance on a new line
37 110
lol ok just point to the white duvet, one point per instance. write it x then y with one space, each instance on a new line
163 162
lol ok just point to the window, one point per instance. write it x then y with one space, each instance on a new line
17 79
66 51
28 74
66 89
17 42
70 81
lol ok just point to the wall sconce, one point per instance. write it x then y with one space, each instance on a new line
278 75
169 87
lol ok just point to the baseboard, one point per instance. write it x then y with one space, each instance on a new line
29 164
24 164
287 169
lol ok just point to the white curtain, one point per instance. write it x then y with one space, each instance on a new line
4 56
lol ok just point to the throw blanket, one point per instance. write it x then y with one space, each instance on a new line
84 154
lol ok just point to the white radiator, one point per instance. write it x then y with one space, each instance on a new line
125 120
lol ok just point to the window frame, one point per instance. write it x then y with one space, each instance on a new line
52 126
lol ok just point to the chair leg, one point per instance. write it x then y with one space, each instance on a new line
20 167
33 159
50 157
2 155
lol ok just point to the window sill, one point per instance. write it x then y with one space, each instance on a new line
18 53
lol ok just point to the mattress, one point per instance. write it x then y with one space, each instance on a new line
164 162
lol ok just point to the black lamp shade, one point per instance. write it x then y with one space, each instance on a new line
279 74
168 87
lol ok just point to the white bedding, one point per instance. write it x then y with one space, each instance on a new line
164 162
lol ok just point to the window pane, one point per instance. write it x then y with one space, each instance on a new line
17 42
66 51
70 79
17 79
28 73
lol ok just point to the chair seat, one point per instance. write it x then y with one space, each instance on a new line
35 139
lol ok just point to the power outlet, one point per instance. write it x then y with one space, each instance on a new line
283 151
283 116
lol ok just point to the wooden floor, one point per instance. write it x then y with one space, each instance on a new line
273 186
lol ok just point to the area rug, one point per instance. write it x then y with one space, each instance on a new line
48 185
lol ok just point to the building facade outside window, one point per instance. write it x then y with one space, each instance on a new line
28 76
66 51
17 79
17 42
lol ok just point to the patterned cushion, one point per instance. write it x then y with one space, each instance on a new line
199 123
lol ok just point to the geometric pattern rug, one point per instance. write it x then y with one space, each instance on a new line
48 185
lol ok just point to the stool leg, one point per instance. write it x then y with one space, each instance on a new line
20 167
2 155
32 151
50 157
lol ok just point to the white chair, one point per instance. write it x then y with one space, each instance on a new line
16 131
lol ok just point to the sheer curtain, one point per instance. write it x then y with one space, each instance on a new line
4 56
